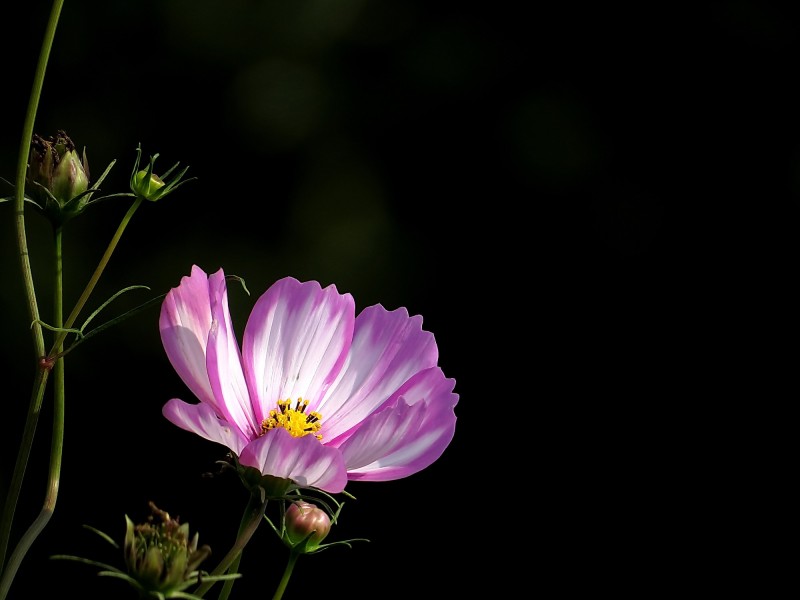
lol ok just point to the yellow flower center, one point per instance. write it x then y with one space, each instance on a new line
294 420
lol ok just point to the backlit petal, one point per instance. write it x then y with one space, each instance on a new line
408 435
184 323
202 420
225 364
302 459
388 348
295 342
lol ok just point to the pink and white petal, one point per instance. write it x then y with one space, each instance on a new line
224 363
184 323
202 420
388 348
304 460
295 342
408 435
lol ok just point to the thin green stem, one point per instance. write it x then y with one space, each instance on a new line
251 519
57 439
22 169
95 276
227 586
41 377
287 574
10 506
41 381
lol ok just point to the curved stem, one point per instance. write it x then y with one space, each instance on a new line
57 440
10 506
27 275
22 169
41 380
251 519
287 573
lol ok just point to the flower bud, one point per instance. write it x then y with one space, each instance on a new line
148 186
58 178
306 523
145 186
161 557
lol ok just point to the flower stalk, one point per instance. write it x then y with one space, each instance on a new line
30 292
287 574
251 519
56 442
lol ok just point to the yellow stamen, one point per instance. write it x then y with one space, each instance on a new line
294 420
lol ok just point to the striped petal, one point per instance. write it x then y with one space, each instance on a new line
184 323
388 348
302 459
406 436
295 342
225 364
203 420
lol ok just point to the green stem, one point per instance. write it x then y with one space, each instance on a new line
251 519
27 277
41 381
227 586
22 169
287 573
95 277
57 440
10 506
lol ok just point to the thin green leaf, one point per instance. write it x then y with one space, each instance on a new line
117 195
103 176
103 535
107 324
170 170
240 280
77 332
109 301
85 561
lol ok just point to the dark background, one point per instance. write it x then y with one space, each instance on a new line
570 197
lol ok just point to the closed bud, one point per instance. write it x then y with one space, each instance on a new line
307 526
58 177
146 185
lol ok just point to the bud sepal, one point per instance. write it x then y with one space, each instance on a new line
146 185
57 179
161 559
304 524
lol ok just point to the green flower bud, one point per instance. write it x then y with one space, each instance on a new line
161 556
58 178
147 185
306 526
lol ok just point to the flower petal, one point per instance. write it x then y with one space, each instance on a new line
388 348
304 460
184 322
295 342
407 436
224 363
203 420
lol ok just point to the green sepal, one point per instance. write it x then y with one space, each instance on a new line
145 184
274 488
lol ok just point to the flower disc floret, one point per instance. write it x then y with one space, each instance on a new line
294 420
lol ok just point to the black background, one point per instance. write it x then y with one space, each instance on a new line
570 196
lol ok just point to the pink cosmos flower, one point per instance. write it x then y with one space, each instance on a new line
316 394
